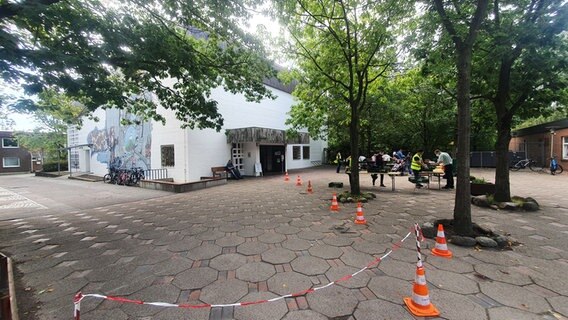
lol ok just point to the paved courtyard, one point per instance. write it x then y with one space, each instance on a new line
261 238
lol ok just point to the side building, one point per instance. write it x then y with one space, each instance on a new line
543 141
253 137
16 159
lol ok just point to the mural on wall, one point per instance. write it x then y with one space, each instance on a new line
128 145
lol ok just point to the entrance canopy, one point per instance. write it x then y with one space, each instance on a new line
265 135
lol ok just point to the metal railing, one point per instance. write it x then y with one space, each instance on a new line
155 174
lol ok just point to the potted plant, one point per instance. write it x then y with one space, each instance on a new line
480 186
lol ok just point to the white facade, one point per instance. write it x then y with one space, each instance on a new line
195 151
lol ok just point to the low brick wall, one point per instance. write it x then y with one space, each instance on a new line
171 186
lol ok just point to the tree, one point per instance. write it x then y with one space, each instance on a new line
521 69
111 53
341 49
462 21
55 112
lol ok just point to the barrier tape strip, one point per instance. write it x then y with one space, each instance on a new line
79 296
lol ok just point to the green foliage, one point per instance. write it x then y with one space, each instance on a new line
557 114
112 53
54 166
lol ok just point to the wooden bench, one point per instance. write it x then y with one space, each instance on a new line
219 172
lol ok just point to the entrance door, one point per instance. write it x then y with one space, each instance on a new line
272 159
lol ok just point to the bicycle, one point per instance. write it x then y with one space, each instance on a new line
553 164
523 163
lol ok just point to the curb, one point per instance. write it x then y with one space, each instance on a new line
9 306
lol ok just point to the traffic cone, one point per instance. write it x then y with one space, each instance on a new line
298 181
286 177
360 219
310 190
441 247
334 204
419 304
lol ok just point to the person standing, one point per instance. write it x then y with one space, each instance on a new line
447 161
416 166
338 161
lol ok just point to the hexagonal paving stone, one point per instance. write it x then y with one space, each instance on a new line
255 271
210 235
278 255
377 237
400 270
184 245
196 278
390 289
379 309
297 244
334 301
338 241
172 266
204 252
250 232
287 229
311 235
356 259
506 313
454 265
289 282
560 304
513 275
178 313
455 306
229 261
161 292
358 281
271 237
371 247
230 241
152 257
223 292
310 266
304 315
230 227
514 296
251 248
264 311
451 281
325 251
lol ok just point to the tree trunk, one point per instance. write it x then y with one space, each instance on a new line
354 134
502 185
462 209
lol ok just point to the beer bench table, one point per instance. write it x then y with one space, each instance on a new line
391 174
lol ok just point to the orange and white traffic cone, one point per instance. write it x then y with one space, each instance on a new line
310 190
334 204
441 247
286 177
298 181
419 304
360 219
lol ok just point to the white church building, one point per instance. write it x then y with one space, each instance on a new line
253 137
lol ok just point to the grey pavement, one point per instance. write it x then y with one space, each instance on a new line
261 238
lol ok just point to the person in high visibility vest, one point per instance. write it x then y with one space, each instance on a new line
416 166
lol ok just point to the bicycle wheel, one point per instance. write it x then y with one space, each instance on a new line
536 167
515 167
106 178
559 170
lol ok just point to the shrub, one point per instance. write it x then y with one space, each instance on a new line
52 166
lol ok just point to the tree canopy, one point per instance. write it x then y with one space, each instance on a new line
112 53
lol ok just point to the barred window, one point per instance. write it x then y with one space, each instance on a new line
296 153
306 153
168 159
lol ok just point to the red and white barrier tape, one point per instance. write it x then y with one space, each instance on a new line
79 296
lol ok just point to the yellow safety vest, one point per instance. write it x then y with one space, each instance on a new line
415 165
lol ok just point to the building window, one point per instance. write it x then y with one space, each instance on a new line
11 162
306 153
9 143
168 156
564 148
296 153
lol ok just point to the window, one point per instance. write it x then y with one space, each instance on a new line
168 156
306 153
9 143
11 162
296 153
564 148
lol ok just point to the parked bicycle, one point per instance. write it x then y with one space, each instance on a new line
537 167
127 177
